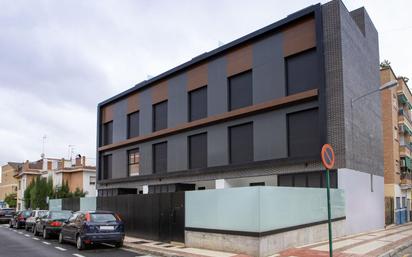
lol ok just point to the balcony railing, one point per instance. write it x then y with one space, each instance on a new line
406 115
408 146
406 178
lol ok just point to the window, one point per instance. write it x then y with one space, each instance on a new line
198 151
308 179
92 180
108 133
403 202
398 203
160 157
160 116
107 166
201 188
240 90
303 133
198 104
133 125
134 162
241 143
255 184
302 72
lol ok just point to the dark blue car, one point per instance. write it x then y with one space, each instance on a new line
91 227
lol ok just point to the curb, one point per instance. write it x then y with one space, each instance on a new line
154 252
396 250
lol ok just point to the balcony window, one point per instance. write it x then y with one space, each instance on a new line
134 162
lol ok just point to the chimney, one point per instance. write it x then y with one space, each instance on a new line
78 160
83 161
26 165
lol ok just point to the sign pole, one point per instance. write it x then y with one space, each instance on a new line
329 213
328 160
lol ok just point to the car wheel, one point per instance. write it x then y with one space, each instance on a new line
119 244
17 226
61 240
45 234
26 227
10 224
79 243
35 232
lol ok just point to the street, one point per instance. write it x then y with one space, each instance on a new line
20 243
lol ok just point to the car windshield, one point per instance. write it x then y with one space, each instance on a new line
60 215
26 214
102 217
41 213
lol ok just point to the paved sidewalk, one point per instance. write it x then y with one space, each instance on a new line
175 250
374 244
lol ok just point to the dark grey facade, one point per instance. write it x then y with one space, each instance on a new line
300 82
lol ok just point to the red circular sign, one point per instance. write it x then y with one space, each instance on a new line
328 156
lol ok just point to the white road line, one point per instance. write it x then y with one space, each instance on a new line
27 235
59 248
21 233
46 243
78 255
35 238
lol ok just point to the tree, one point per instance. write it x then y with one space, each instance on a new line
39 194
11 200
63 191
79 193
27 196
385 64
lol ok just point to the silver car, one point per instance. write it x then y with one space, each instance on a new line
31 221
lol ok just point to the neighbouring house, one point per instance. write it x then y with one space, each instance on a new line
397 140
25 174
9 183
78 174
254 112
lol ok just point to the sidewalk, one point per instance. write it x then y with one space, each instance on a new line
376 243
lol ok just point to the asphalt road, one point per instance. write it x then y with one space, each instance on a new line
20 243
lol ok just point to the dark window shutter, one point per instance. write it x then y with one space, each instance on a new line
198 104
107 166
303 133
198 151
302 72
108 133
133 124
241 143
160 116
240 90
160 157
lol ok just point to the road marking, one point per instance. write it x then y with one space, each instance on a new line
27 235
59 248
78 255
46 243
35 238
21 233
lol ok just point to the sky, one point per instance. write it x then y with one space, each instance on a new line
59 59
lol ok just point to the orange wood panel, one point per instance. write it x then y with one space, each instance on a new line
197 77
133 103
299 36
239 60
159 92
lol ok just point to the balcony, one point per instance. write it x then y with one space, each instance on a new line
404 114
406 180
405 150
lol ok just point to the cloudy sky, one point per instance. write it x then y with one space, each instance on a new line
58 59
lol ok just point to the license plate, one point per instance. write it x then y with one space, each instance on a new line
106 227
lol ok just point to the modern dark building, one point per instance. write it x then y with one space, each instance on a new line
256 112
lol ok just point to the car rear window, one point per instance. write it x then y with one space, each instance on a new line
102 217
60 215
26 214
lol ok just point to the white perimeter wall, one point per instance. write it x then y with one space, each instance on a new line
364 208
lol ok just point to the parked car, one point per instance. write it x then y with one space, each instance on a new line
19 219
51 223
31 221
6 214
91 227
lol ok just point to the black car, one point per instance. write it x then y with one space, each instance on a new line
91 227
6 214
51 223
19 219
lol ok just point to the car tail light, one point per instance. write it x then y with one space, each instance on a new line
55 224
88 216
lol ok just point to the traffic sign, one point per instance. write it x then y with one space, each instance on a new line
328 156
